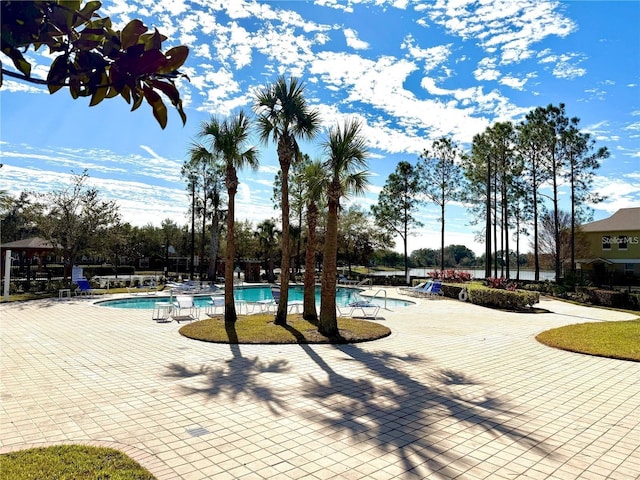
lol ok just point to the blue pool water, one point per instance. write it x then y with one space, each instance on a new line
344 296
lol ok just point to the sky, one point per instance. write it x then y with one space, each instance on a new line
410 71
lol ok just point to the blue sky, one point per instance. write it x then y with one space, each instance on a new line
411 71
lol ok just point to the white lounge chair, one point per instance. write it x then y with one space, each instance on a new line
422 291
150 289
414 288
366 308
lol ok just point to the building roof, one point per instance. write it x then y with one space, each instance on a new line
623 220
35 243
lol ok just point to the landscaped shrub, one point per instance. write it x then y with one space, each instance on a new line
499 298
501 283
542 287
452 291
634 301
480 294
609 298
450 275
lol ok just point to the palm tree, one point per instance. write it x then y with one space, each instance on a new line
285 117
227 141
347 153
267 236
203 176
315 181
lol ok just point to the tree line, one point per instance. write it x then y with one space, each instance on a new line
510 182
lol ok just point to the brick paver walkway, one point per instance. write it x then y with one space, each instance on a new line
457 391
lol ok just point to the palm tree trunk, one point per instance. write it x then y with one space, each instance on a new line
203 238
309 303
229 301
285 154
328 322
193 229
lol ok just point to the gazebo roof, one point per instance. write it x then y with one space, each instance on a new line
33 243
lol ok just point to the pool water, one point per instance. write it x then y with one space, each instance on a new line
344 296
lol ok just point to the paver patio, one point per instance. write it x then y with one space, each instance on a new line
457 391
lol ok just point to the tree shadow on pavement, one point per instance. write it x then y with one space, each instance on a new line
430 418
241 376
401 414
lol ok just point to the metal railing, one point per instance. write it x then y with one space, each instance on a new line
384 297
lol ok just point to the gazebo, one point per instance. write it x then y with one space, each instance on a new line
27 250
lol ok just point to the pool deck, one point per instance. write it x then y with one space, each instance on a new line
457 391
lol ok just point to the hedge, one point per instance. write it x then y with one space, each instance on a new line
479 294
507 299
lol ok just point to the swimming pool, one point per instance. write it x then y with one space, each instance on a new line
344 296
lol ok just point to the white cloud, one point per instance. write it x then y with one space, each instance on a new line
16 86
334 4
514 82
353 41
486 70
620 192
565 65
433 57
510 26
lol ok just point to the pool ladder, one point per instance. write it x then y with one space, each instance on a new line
375 295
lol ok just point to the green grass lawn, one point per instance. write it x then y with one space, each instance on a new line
619 340
71 462
261 329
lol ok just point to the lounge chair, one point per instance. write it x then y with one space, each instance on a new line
415 288
184 309
418 290
84 288
368 309
190 286
434 291
150 289
345 281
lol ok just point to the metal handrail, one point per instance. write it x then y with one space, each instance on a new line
385 296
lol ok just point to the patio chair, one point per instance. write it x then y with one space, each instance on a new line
185 309
275 293
293 306
266 306
216 303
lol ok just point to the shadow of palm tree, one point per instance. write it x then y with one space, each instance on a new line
241 376
392 405
401 414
